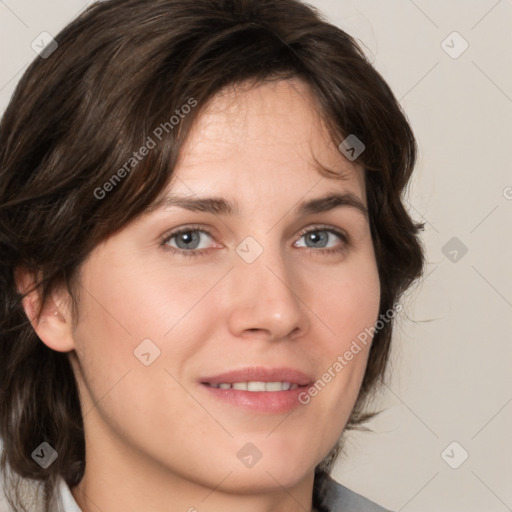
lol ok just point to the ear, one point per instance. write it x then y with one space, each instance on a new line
51 320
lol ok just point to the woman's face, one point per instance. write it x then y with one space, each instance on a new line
263 291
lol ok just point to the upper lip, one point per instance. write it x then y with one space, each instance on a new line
260 374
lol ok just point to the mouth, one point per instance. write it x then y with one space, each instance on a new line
255 386
259 389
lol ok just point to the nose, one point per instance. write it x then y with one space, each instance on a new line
264 299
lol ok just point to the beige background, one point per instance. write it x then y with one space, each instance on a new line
450 378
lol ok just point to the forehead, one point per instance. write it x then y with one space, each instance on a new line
271 132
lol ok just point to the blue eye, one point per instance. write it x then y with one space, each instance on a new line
324 238
187 239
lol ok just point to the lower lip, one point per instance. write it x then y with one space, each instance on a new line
273 402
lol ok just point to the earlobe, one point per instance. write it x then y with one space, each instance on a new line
51 320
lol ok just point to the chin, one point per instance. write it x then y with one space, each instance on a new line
271 473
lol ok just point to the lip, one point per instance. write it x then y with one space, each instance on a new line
273 402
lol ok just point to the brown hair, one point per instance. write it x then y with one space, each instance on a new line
121 70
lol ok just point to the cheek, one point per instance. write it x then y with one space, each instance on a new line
121 306
118 310
116 313
347 306
348 300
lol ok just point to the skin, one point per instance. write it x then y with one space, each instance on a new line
156 440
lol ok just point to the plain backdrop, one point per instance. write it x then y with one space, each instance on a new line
443 440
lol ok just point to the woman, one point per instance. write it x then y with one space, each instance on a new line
203 246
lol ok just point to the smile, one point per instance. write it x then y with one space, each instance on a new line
258 389
255 386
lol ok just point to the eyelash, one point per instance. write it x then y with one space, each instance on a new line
344 237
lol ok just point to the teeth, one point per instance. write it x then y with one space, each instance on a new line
272 386
259 386
256 386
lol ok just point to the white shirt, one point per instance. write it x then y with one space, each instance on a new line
67 502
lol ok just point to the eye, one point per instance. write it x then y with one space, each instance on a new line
324 238
189 241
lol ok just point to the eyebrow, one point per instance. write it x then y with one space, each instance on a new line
221 206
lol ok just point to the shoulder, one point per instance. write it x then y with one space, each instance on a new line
338 498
